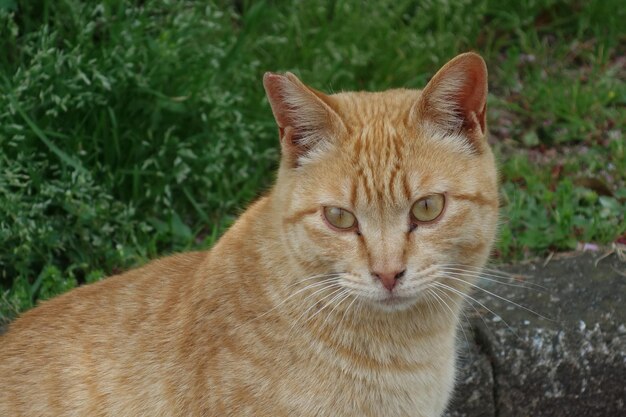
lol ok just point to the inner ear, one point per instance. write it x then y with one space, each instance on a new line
305 117
455 99
473 96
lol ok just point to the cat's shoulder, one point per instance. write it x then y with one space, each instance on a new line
112 293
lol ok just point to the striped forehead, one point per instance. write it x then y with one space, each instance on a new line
379 179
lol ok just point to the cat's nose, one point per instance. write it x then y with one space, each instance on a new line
389 279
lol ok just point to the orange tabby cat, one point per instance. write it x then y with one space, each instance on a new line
321 300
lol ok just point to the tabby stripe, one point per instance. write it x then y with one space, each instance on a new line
96 398
380 193
406 187
455 222
470 249
316 235
353 190
357 148
405 248
297 216
364 180
358 358
477 198
392 178
306 264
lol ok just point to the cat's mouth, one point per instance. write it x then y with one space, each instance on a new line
394 301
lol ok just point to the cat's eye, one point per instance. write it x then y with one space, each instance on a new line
339 218
428 208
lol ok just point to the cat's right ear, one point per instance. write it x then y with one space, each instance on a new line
305 117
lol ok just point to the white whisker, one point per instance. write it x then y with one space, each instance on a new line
336 289
300 281
336 297
462 294
308 287
494 278
493 272
497 296
346 311
429 304
346 294
439 299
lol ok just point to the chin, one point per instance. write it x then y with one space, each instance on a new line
394 302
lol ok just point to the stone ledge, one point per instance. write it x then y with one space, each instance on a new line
572 366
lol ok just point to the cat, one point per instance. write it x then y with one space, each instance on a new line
327 297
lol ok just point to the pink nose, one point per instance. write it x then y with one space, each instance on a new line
389 279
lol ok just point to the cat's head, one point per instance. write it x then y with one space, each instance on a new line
384 192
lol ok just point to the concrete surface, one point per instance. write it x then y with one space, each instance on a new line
573 364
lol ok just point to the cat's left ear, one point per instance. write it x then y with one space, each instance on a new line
455 99
306 119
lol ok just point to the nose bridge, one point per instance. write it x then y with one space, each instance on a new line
386 249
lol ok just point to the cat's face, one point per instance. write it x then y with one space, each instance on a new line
389 197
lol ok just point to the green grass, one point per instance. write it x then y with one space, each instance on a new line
130 129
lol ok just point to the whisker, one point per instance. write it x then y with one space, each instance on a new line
360 304
491 272
505 273
462 294
296 322
468 267
500 297
310 286
478 313
330 276
439 299
462 310
346 294
467 296
337 288
494 272
428 300
507 277
478 275
339 295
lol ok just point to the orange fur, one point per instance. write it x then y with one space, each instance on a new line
284 316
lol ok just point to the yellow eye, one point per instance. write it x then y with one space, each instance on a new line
428 208
339 218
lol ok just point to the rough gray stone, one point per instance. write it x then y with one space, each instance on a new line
474 394
570 362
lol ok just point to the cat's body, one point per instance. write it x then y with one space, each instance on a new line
290 314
